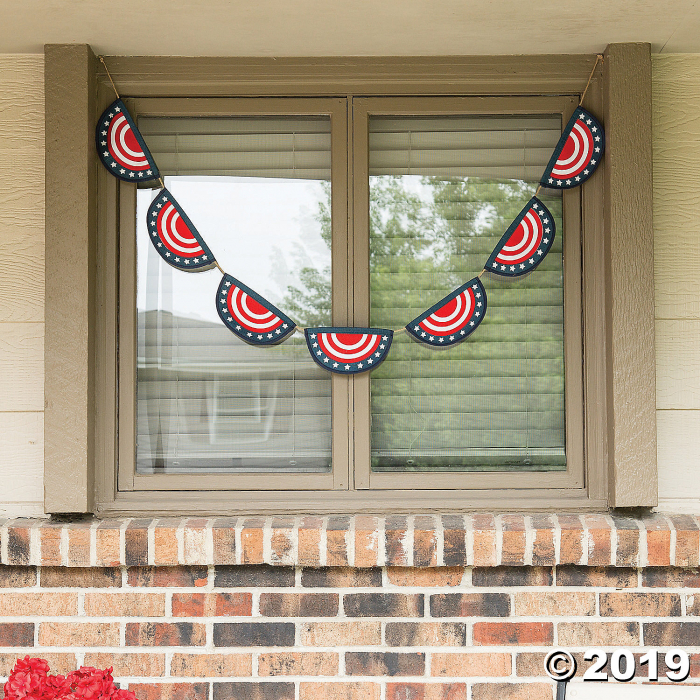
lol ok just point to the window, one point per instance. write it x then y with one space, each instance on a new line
390 211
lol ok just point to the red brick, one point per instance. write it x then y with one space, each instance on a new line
589 634
165 545
16 634
252 541
511 633
627 534
599 540
212 604
165 634
341 577
297 663
79 634
454 540
309 536
136 542
339 691
194 545
426 691
108 538
337 535
125 604
671 634
672 577
383 605
299 604
282 540
252 690
377 663
50 539
18 545
508 576
366 541
224 537
17 576
640 605
433 634
599 577
513 534
512 691
546 604
687 540
543 553
141 665
167 576
484 529
262 576
395 535
425 578
79 544
470 665
470 605
170 691
335 634
211 665
571 539
658 540
76 577
43 604
424 541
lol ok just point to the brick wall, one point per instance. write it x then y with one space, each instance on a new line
262 625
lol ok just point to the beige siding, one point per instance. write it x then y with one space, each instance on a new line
676 134
21 284
677 275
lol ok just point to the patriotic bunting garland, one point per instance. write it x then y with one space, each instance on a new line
256 321
121 147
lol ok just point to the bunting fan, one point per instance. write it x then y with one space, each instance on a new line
526 242
577 153
121 147
249 316
348 350
175 237
453 318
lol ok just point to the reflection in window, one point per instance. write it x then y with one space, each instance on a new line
258 192
442 192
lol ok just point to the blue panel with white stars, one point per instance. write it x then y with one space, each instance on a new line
453 319
175 237
348 350
577 153
249 316
121 147
525 243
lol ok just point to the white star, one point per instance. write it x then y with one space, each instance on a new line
545 241
503 267
228 284
313 335
325 359
167 255
122 171
597 149
159 206
558 182
477 314
478 303
494 265
442 340
385 337
238 328
381 347
160 245
577 178
196 260
318 353
335 364
370 361
149 172
550 181
376 354
534 206
592 162
117 109
177 259
347 366
415 328
278 331
539 252
597 138
522 267
422 335
131 174
249 334
360 365
106 154
452 337
104 133
512 269
478 295
284 325
431 338
531 261
315 345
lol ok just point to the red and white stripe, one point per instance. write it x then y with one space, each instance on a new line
124 146
452 316
176 234
523 241
349 347
576 154
250 313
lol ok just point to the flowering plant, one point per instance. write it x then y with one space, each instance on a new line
30 680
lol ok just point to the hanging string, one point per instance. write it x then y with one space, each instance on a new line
598 59
114 87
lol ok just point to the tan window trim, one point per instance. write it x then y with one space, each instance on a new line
81 380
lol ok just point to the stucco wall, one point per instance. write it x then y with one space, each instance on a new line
21 284
677 274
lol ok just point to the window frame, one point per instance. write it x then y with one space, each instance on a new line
610 478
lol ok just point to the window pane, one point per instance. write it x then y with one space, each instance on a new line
442 192
258 192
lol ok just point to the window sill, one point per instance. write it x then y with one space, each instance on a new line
358 541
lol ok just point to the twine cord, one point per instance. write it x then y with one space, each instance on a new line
114 87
